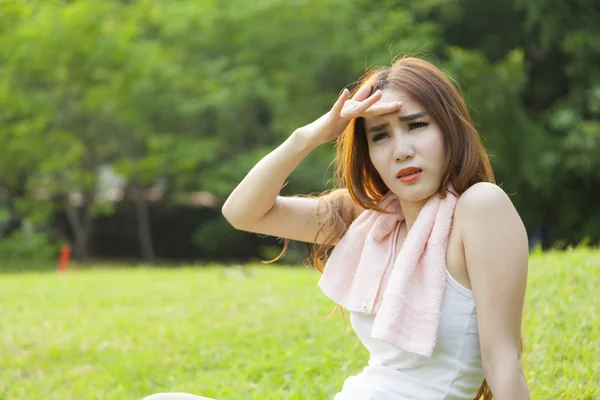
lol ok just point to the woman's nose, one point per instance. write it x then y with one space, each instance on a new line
403 149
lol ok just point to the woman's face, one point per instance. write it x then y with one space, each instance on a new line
406 141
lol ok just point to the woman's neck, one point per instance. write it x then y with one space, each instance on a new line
411 210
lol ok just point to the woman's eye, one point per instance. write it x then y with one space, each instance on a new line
416 124
379 136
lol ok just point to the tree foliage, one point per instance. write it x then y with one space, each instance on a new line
192 94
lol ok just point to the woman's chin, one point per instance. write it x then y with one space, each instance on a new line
414 193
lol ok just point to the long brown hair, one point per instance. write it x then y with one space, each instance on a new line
355 176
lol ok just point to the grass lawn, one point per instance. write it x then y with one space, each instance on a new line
125 333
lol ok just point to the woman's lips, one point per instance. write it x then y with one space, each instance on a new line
411 178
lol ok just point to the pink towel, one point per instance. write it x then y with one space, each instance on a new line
361 275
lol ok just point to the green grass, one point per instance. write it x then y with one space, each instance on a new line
126 333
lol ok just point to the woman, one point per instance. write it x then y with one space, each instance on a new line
423 237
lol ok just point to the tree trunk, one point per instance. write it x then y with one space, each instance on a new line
81 226
144 229
14 221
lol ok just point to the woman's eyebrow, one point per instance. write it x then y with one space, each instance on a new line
404 118
378 127
412 116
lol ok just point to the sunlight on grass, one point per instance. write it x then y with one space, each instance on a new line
253 334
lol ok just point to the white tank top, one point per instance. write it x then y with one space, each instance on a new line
454 372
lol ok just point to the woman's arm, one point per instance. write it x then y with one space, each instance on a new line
255 204
496 252
257 192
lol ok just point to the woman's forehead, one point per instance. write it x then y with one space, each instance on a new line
409 106
391 95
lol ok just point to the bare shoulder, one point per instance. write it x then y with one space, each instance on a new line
486 207
483 195
481 199
349 209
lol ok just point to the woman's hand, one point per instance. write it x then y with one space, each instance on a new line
331 125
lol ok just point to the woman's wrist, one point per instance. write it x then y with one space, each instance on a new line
301 138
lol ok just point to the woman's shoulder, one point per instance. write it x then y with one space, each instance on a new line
488 223
482 194
483 203
343 205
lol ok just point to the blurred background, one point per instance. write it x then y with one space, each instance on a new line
124 125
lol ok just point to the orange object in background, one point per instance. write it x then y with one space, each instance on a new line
63 259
